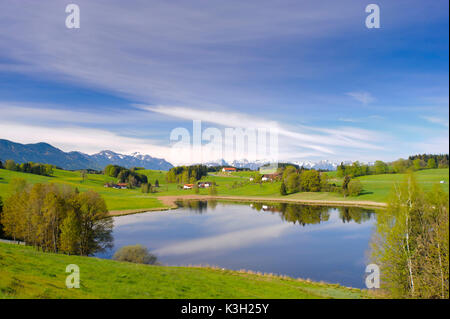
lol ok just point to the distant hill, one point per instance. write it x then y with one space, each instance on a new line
48 154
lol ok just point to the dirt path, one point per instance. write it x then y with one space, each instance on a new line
169 202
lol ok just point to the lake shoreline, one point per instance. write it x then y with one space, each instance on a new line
170 202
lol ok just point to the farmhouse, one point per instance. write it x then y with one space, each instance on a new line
204 184
270 177
228 169
116 186
188 186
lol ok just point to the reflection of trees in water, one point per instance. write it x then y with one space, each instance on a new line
304 215
295 213
198 206
307 214
356 214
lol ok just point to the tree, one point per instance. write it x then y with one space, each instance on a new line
288 170
95 224
443 163
417 164
433 245
411 242
431 163
283 190
156 183
400 165
310 181
10 165
354 187
292 182
341 170
135 254
70 234
257 178
396 238
345 183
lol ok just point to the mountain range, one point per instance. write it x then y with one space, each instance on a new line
254 165
48 154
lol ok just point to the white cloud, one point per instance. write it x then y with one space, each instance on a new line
76 138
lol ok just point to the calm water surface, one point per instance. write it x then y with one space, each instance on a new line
320 243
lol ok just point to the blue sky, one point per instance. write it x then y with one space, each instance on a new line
136 70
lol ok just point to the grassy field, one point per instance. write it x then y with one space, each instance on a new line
27 273
376 187
116 199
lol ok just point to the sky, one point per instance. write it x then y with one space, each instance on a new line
135 71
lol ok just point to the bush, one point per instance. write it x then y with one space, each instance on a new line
354 187
212 190
135 254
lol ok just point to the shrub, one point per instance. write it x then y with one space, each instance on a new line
212 190
354 187
135 254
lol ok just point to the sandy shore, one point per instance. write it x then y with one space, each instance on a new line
169 202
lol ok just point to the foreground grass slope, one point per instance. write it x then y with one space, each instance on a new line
27 273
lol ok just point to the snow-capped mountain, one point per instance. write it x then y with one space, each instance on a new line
324 164
244 163
254 165
104 158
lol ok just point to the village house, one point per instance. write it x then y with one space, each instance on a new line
228 169
116 186
270 177
204 184
188 186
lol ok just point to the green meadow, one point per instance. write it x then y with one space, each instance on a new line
376 188
28 273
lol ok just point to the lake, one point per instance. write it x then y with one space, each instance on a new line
320 243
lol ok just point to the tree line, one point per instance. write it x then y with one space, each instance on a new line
186 174
440 159
295 180
415 162
411 242
28 167
125 175
57 218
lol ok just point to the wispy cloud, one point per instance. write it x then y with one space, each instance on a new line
363 97
300 136
437 120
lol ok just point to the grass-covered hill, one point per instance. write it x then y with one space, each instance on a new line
28 273
376 187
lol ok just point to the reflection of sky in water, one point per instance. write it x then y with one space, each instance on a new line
236 236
